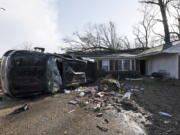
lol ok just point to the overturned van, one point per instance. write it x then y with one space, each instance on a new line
31 72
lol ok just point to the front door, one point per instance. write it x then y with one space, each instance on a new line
142 67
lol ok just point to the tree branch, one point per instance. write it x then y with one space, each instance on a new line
149 2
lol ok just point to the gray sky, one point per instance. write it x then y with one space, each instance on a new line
46 22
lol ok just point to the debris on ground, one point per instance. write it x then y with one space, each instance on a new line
165 114
106 120
166 122
102 128
101 99
110 96
82 94
101 94
23 108
73 102
99 115
127 95
67 91
71 111
109 85
134 79
134 106
128 105
79 89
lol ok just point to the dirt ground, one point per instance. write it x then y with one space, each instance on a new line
160 96
51 114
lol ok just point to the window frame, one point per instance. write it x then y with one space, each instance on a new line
105 65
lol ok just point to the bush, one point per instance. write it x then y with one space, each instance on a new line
101 73
126 74
158 75
118 74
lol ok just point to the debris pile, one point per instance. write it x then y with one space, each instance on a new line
109 94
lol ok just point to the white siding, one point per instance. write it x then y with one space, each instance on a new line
167 62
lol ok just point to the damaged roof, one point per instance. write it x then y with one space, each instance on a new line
152 51
131 53
109 53
175 48
123 55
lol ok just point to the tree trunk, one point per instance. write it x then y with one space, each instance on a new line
165 24
179 28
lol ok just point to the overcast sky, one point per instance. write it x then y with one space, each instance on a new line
46 22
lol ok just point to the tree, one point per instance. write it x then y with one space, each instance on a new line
98 37
176 15
3 9
163 6
144 28
25 46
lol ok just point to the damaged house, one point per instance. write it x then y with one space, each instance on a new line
24 72
120 63
145 61
158 59
121 60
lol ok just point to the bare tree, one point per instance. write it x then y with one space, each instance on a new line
3 9
163 6
25 46
97 37
176 24
125 43
144 28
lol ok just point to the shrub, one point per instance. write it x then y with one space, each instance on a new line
101 73
126 74
118 74
158 75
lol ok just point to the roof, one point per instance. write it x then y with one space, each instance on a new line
175 48
122 55
131 53
104 53
152 51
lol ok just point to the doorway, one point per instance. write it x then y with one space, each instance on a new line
142 67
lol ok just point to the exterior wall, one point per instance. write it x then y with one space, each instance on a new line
163 62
